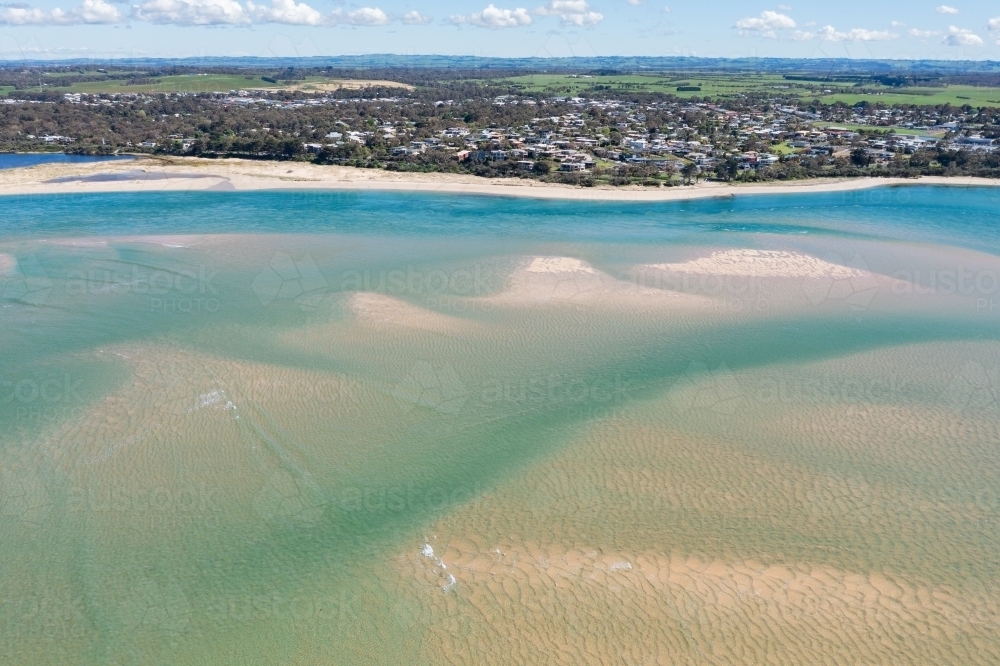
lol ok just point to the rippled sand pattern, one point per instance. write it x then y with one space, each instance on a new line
855 527
547 604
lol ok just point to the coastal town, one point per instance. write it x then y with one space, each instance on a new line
612 137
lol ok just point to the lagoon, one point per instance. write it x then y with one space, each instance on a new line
362 427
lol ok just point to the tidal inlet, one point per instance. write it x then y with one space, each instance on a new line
377 428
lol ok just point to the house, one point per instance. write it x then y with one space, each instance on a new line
661 163
755 160
974 142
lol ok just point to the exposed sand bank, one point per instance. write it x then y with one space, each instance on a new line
177 174
762 263
550 281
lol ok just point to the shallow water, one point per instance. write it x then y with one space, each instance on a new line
16 160
367 427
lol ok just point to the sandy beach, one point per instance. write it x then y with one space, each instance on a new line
179 174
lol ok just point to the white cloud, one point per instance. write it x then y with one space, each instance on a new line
634 3
195 12
285 11
994 23
415 18
494 17
945 9
571 12
97 11
785 8
923 33
191 12
897 24
962 37
588 18
830 34
90 12
363 16
666 9
765 24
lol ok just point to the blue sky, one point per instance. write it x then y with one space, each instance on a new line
726 28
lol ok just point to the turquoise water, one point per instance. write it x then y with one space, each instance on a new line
966 217
232 421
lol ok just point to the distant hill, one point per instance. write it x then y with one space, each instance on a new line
606 64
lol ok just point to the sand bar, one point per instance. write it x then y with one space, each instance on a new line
192 174
761 264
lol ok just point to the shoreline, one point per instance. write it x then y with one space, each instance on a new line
156 174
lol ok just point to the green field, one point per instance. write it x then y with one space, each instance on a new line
708 85
180 83
732 85
712 85
783 149
955 95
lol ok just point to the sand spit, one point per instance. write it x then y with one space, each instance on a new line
763 264
172 174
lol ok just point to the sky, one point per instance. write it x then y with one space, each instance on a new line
52 29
